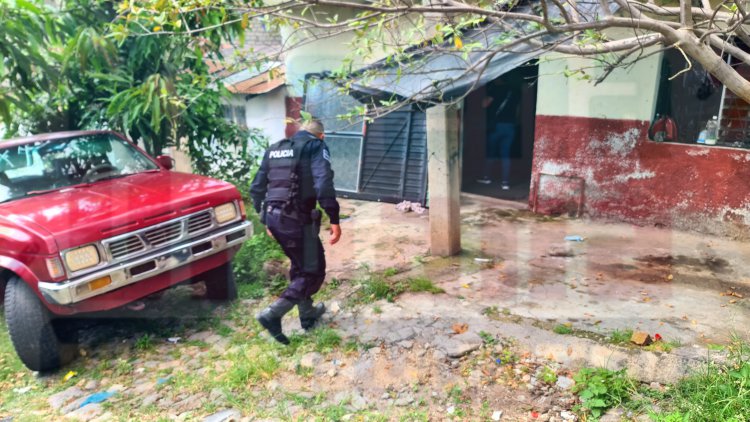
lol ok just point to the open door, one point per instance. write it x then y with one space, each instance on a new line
498 135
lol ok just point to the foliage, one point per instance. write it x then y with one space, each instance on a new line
89 64
249 260
620 337
562 329
600 389
717 392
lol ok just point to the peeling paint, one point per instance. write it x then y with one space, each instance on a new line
698 152
629 178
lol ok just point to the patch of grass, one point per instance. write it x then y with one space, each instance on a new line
377 310
144 342
716 347
325 339
415 416
248 263
663 346
421 284
488 338
601 389
250 368
717 392
251 291
390 272
620 337
562 329
491 312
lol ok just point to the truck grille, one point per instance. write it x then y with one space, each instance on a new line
199 222
164 234
126 246
160 235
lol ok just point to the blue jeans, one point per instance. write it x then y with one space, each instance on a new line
499 145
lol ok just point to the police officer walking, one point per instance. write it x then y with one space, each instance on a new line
294 176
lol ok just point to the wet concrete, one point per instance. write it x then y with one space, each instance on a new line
689 288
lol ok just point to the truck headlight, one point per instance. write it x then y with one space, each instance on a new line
82 258
225 212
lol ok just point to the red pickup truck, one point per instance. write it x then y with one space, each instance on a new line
89 222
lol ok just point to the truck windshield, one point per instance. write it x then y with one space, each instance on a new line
45 166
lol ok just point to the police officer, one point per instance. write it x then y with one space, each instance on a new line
294 176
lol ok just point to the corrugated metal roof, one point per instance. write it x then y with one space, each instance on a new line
438 72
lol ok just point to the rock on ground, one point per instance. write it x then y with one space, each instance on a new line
62 398
86 413
229 415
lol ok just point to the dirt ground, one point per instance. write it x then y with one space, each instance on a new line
489 346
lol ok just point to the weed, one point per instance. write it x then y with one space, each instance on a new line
663 346
224 331
326 339
717 392
418 259
491 312
414 416
716 347
351 346
248 263
248 369
600 389
377 310
251 291
563 329
390 272
421 284
144 342
488 338
548 375
620 337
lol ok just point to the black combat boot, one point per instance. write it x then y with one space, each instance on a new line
270 318
309 314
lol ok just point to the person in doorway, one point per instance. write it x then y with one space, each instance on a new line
294 176
501 103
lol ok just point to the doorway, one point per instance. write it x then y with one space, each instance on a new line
498 135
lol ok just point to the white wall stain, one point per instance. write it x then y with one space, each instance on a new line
698 152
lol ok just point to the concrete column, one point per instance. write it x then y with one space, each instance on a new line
443 172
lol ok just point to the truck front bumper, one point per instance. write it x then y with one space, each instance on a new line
76 290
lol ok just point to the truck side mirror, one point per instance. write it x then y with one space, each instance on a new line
166 161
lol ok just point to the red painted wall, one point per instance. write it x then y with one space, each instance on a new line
612 170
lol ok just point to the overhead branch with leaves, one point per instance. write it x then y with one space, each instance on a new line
615 33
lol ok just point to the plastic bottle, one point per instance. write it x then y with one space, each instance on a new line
702 137
712 131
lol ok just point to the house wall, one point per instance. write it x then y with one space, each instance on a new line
268 112
592 151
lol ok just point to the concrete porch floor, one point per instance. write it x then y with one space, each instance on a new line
687 287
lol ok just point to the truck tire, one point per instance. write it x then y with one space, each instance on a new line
220 283
42 343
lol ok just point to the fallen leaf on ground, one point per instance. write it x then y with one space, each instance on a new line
460 328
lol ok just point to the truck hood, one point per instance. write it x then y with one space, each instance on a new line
85 214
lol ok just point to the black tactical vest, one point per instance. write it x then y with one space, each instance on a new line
283 172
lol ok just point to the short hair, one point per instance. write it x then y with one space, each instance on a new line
314 126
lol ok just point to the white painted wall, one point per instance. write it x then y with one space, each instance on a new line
268 112
624 94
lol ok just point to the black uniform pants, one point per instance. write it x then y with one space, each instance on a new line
300 242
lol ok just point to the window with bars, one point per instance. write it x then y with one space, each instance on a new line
236 114
691 97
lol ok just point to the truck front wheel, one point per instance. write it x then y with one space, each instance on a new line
220 283
42 343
